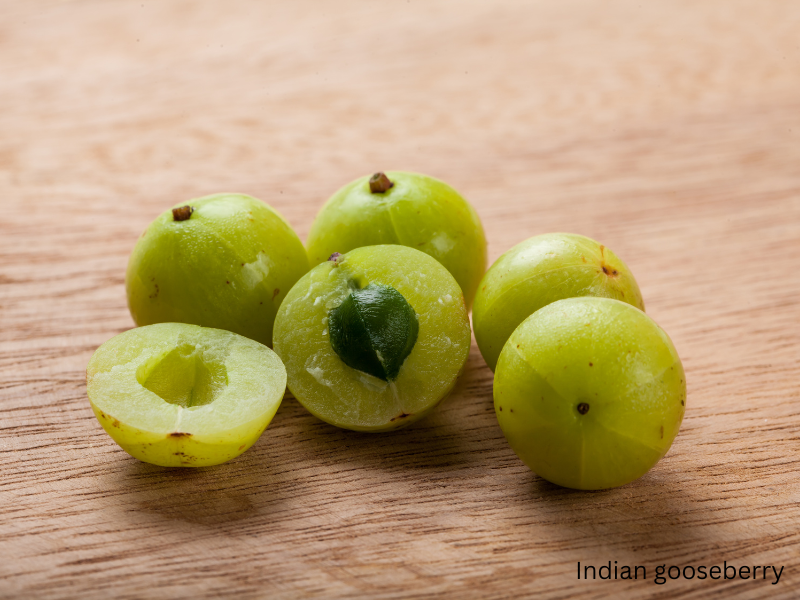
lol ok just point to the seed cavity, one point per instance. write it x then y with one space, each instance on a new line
184 376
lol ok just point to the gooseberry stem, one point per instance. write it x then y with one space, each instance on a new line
379 183
182 213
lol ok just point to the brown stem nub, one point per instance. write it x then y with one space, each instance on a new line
380 183
583 408
182 213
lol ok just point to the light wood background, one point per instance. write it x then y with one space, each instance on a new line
670 131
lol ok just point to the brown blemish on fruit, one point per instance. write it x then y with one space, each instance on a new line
591 364
180 434
275 293
379 183
583 258
402 415
182 214
510 410
116 423
662 432
501 408
226 281
682 403
610 271
154 295
241 447
583 408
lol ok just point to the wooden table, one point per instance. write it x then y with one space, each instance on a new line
669 131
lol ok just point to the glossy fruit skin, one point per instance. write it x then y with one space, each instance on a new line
352 399
243 384
600 356
541 270
229 266
419 212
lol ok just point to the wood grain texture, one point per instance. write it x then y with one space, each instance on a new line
670 131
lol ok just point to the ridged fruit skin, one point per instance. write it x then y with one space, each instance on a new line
352 399
229 266
541 270
251 384
420 212
604 357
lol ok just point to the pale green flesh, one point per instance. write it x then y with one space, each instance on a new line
635 388
348 398
228 266
539 271
419 212
175 394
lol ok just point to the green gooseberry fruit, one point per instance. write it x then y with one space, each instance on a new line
373 339
541 270
589 392
179 395
224 261
408 209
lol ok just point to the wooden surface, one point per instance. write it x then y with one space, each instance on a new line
670 131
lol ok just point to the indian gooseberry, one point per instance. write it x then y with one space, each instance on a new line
409 209
179 395
373 339
589 392
541 270
225 261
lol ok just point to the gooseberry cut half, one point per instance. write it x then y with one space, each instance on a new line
179 395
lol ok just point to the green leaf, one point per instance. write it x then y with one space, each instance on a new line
374 330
